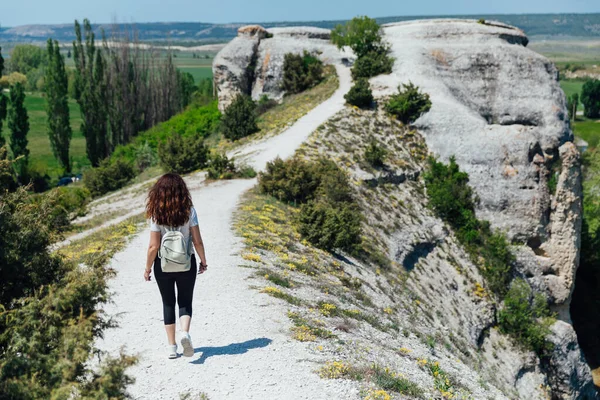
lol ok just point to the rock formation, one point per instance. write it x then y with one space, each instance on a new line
252 63
498 108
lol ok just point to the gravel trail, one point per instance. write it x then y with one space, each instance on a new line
241 337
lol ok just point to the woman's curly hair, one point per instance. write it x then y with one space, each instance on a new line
169 201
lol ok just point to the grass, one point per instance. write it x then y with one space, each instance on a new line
588 130
39 145
572 86
382 377
289 111
102 244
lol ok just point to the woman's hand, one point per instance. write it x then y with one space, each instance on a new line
147 276
202 268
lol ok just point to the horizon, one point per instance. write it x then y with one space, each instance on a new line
300 20
268 11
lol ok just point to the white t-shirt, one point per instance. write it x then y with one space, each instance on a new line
185 228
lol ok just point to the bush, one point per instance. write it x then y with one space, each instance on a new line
409 104
360 94
453 200
293 180
527 318
331 226
108 177
26 234
220 167
375 154
182 155
264 104
145 157
372 64
590 98
239 119
50 311
301 72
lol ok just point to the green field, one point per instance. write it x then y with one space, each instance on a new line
39 145
572 86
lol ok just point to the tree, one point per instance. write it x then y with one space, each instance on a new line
18 123
239 119
362 34
2 102
360 94
57 109
90 92
590 98
572 103
25 58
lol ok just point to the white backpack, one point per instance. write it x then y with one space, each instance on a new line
174 252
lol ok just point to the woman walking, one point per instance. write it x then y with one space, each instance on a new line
173 225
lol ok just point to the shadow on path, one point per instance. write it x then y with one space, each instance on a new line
230 349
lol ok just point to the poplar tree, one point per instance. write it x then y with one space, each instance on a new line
2 102
90 93
59 123
18 124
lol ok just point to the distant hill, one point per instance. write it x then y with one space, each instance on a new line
547 25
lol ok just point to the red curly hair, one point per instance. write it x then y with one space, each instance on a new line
169 201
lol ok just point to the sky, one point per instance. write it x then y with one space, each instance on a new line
24 12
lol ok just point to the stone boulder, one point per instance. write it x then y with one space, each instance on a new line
252 63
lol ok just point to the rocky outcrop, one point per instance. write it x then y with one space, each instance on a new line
498 108
252 63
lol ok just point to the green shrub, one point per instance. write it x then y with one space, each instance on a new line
527 318
453 200
26 228
409 104
221 167
145 157
239 119
590 98
331 226
182 155
8 178
375 154
264 104
372 64
108 177
50 313
301 72
293 180
360 94
481 21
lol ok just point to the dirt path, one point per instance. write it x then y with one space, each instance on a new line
243 348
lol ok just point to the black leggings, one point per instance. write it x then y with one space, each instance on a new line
185 282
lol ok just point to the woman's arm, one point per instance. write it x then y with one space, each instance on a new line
152 252
199 246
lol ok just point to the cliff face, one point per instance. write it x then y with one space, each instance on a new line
497 107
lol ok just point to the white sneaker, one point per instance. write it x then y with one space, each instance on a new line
172 351
186 343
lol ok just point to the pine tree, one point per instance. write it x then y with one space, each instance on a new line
59 125
2 102
18 124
